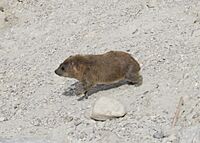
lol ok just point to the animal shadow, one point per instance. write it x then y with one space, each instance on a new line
77 88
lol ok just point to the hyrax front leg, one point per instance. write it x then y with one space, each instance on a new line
86 87
134 77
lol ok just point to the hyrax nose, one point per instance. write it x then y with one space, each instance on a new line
56 72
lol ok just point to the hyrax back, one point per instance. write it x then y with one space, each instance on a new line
106 68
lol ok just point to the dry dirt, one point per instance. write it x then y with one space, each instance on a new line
36 35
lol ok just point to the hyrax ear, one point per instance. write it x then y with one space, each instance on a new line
76 66
72 63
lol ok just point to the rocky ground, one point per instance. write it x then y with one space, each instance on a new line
36 35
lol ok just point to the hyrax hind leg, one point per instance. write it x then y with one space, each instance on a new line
133 77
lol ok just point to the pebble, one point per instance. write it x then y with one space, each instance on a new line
3 119
68 119
36 122
77 122
158 135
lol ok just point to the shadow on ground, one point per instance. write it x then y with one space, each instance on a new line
77 88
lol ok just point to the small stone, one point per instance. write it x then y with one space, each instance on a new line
20 0
68 119
36 122
82 135
3 119
107 108
1 9
6 19
19 129
196 33
171 139
152 3
77 122
197 20
100 125
158 135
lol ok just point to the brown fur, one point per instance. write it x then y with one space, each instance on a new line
105 68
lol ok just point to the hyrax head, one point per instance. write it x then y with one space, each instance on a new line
67 68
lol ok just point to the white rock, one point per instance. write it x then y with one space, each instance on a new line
106 108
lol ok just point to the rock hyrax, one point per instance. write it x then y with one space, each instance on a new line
105 68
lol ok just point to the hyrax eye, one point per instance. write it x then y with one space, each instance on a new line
62 68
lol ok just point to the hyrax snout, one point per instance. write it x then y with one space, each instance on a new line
105 68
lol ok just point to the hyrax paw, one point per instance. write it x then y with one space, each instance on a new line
82 97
